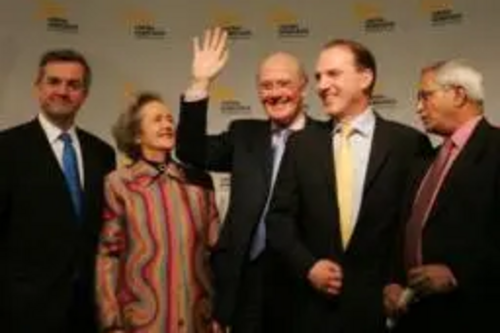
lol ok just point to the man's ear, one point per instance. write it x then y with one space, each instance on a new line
367 78
460 97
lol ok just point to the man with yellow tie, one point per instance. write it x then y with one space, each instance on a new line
334 216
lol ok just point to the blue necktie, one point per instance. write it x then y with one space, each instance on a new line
278 147
70 169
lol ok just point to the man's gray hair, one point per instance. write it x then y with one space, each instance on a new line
460 73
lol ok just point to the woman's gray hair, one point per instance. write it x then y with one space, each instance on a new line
460 73
128 125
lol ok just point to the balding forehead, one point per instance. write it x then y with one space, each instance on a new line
282 60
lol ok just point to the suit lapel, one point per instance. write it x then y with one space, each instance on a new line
321 143
92 180
417 174
471 152
329 163
41 150
42 147
378 153
86 162
322 140
260 150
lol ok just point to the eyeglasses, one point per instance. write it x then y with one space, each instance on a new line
425 95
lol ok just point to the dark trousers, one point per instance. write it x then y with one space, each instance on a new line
265 303
249 313
83 311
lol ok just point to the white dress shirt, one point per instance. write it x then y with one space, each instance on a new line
53 134
361 142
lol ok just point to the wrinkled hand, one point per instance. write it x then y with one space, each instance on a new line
431 279
326 276
392 300
210 55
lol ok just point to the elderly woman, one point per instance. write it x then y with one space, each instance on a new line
160 221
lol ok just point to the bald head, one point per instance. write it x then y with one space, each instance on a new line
283 61
281 84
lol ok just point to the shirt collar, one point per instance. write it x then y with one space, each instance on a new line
52 131
297 124
363 124
171 170
463 133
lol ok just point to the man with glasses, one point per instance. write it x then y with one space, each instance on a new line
450 263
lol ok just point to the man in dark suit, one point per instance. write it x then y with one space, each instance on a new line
452 240
251 287
334 213
51 194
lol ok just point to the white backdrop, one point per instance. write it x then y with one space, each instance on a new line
146 44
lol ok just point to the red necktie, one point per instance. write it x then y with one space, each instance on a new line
423 203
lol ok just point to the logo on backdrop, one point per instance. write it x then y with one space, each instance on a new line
380 100
142 24
287 24
55 16
228 103
441 12
231 21
372 18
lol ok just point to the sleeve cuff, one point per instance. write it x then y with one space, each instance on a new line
194 95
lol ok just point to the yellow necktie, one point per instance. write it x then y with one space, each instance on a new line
345 182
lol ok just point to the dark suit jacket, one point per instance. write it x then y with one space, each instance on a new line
463 232
303 224
43 249
244 150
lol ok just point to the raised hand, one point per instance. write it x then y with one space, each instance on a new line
210 55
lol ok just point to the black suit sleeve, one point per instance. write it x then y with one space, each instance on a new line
477 268
420 149
424 147
4 184
110 159
194 146
282 217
